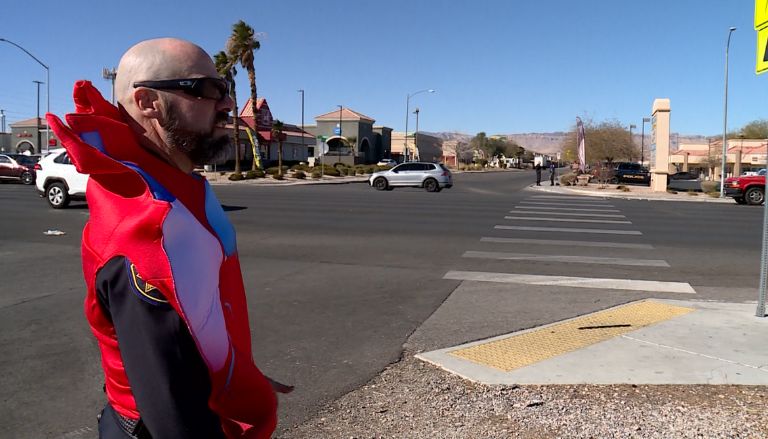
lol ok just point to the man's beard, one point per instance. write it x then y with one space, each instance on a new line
200 148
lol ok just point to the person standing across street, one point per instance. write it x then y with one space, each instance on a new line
165 296
538 174
552 173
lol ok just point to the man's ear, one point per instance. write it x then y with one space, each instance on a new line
148 103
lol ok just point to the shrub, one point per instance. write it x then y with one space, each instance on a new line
568 179
278 177
315 174
236 176
625 189
300 167
714 194
258 173
299 175
692 193
710 186
671 191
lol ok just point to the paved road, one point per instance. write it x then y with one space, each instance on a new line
339 277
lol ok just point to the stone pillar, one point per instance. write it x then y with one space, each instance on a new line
659 149
685 161
737 164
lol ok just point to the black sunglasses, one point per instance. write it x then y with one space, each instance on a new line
202 88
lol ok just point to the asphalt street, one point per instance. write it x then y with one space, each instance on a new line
340 278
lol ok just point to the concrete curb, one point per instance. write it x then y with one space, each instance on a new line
613 193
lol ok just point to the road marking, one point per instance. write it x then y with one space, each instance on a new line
566 258
565 204
574 282
567 220
597 215
567 243
572 209
518 350
570 230
574 198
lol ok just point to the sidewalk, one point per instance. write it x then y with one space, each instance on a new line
214 178
633 192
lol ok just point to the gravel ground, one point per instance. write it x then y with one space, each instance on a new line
413 399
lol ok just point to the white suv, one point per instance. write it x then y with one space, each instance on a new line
58 180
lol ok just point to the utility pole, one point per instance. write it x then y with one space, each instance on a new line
416 135
2 120
110 75
39 148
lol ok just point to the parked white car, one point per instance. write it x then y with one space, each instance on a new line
387 162
58 180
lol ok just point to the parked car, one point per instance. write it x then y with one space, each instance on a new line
13 168
626 172
433 177
684 181
58 180
387 162
746 189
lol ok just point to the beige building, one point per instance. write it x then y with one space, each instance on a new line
421 147
704 158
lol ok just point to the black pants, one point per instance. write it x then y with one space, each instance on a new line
538 177
111 428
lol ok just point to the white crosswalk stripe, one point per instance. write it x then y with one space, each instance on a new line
575 282
566 258
570 209
596 215
567 243
567 220
569 230
543 203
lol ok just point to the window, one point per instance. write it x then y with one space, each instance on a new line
4 159
63 159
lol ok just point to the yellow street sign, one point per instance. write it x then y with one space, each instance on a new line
762 51
761 13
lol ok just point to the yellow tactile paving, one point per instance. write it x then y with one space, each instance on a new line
534 346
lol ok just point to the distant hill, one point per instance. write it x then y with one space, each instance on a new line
551 143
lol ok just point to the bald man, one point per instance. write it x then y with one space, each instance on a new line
165 296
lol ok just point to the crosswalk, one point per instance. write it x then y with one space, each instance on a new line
544 238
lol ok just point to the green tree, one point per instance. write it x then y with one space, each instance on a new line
478 143
240 47
226 68
277 133
757 129
607 140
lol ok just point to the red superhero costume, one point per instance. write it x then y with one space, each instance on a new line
172 229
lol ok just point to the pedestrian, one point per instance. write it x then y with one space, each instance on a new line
538 174
552 173
165 297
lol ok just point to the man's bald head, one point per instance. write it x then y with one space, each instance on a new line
162 58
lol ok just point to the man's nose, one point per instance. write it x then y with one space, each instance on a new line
226 104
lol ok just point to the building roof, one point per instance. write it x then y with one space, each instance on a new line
247 111
30 123
346 114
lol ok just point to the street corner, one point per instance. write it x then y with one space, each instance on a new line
646 342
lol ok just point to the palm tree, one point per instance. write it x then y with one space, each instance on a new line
277 132
240 47
226 68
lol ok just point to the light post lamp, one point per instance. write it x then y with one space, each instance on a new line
631 143
725 117
407 116
338 149
110 75
416 134
642 142
47 92
37 119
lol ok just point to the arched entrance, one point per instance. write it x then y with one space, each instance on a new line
24 146
365 150
338 150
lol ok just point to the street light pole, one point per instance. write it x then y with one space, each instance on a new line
110 75
37 119
416 134
338 149
631 143
725 117
47 92
642 142
407 116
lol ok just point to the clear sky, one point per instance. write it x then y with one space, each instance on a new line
499 66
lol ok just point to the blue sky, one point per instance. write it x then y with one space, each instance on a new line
499 66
